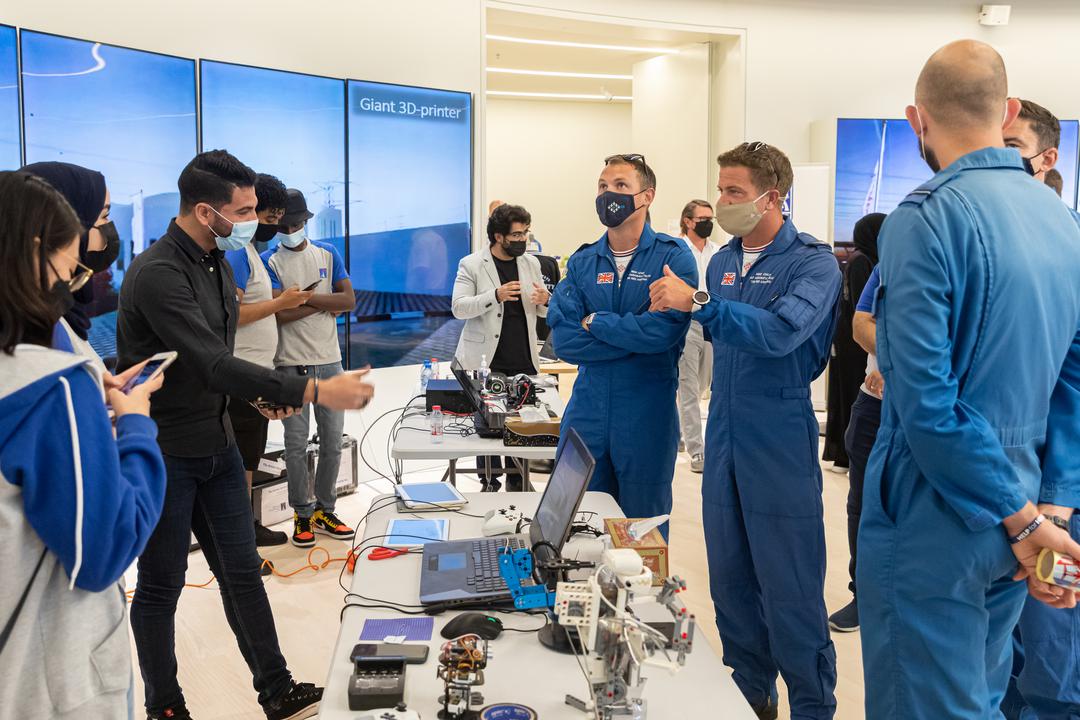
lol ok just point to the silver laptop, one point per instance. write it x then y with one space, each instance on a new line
467 571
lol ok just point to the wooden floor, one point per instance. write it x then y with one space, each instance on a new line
217 684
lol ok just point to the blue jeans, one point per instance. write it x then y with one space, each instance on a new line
329 424
207 496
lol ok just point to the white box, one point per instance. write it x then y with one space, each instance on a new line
271 503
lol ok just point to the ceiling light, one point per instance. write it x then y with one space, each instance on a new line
556 73
590 46
561 96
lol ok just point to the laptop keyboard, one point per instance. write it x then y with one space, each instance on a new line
486 577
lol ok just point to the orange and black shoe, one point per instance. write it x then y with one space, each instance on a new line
327 523
302 536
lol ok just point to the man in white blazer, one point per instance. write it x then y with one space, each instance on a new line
499 292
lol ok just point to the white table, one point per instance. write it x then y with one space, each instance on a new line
412 445
521 670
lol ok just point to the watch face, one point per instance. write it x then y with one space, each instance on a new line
701 297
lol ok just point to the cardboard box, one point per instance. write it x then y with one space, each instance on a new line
652 548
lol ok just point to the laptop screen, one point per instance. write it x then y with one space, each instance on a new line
468 385
562 496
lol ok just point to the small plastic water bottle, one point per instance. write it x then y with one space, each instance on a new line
434 368
483 373
425 376
436 424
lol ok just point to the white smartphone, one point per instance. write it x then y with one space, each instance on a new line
154 367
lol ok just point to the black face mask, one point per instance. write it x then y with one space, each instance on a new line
265 232
100 260
703 228
60 294
515 248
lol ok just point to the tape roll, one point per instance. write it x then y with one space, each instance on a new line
1044 566
508 711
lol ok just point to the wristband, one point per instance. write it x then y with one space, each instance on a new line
1022 535
315 399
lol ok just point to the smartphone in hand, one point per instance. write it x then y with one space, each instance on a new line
154 367
312 286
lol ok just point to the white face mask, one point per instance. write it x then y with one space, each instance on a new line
291 240
739 219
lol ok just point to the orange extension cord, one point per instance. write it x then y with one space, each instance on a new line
310 566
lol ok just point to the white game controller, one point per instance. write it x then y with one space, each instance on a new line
502 522
398 713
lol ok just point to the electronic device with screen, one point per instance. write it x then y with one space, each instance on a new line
488 422
312 286
429 497
467 571
154 367
414 653
407 533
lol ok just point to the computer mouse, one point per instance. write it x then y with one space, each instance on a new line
473 623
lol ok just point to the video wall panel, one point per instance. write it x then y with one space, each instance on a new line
10 143
410 200
127 113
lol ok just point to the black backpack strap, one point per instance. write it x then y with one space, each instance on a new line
9 627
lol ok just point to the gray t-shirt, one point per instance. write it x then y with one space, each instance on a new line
255 342
312 340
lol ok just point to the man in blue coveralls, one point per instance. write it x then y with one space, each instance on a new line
978 338
771 311
1046 665
624 398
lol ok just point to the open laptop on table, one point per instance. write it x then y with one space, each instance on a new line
472 390
467 571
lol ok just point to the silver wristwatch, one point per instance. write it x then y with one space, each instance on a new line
701 299
589 318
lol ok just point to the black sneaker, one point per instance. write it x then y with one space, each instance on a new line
265 537
327 523
176 712
266 567
302 536
768 712
301 701
846 619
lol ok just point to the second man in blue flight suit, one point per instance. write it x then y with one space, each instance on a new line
771 311
624 398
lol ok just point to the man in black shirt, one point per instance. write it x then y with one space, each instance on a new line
180 295
500 293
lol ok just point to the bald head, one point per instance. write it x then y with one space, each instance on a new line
963 85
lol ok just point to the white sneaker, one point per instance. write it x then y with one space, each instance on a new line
839 470
697 463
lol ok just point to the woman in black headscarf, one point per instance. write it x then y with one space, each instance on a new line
847 369
99 243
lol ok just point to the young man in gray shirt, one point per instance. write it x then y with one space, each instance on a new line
308 346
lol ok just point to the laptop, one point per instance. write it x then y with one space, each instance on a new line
467 571
472 390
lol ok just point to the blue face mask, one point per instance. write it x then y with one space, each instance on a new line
240 235
614 208
292 240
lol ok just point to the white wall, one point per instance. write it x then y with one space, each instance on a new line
547 156
811 61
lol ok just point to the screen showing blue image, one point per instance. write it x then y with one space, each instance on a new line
878 163
1068 152
126 113
411 533
10 145
410 204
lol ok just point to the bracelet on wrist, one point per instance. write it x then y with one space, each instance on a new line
1023 534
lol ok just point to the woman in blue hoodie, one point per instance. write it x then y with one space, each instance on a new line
76 504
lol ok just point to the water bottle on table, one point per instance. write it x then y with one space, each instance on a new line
436 424
434 368
425 376
483 373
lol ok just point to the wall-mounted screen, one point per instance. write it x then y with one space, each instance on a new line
10 144
410 204
878 162
126 113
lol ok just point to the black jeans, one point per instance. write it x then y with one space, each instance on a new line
207 496
859 441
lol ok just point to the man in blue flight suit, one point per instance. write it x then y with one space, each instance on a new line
771 311
978 338
624 398
1046 664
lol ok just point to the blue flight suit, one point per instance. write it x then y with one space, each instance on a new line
761 491
623 404
978 337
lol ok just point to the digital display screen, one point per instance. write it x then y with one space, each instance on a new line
452 561
437 492
413 533
126 113
10 144
410 206
145 374
562 494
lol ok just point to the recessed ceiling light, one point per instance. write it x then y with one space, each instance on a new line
589 46
562 96
555 73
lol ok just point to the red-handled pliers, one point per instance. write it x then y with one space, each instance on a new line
385 553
